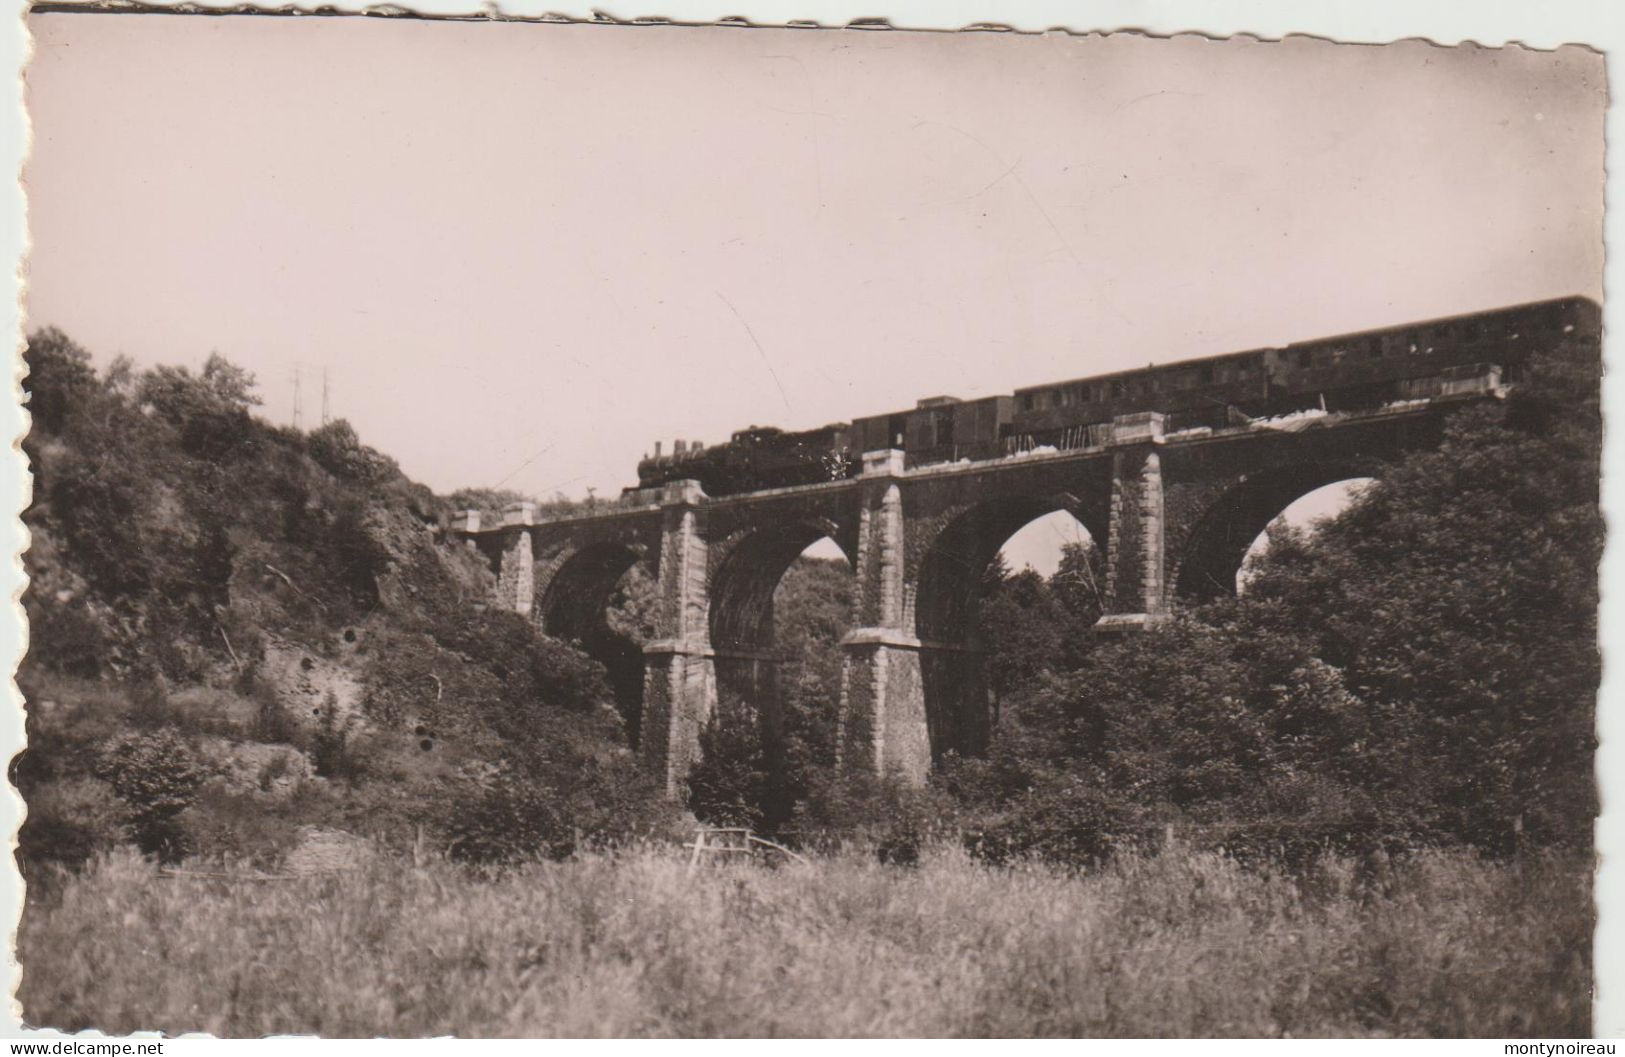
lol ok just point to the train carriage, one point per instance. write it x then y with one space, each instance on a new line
1196 393
940 429
1348 372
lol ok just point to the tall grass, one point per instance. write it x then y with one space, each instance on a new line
632 945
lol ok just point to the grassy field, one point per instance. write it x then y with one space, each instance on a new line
632 945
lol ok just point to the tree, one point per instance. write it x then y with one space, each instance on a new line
1078 587
812 611
229 384
1192 723
339 450
1459 595
209 410
1422 667
1021 626
158 774
729 784
59 377
178 395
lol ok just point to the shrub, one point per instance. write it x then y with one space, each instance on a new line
158 774
354 553
279 767
570 679
534 671
1067 822
240 827
69 821
65 637
728 784
272 722
507 819
146 699
339 451
330 748
886 815
598 787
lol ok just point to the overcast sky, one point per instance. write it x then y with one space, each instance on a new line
523 252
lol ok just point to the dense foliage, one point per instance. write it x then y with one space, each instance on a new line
240 631
1419 669
158 774
756 772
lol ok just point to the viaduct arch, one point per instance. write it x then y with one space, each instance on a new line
741 627
1217 544
575 589
1174 514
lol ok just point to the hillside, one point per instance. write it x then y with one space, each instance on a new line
247 640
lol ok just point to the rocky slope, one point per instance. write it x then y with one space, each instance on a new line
241 633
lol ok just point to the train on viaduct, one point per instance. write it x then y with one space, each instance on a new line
1173 470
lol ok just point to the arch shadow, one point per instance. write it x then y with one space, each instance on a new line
953 668
1218 545
573 609
742 587
742 620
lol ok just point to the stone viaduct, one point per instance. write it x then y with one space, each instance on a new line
1174 513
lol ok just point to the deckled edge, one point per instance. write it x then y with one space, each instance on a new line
1578 31
16 484
1321 28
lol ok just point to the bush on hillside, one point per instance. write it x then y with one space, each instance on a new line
177 537
158 774
339 451
535 671
65 636
71 821
59 379
547 804
507 819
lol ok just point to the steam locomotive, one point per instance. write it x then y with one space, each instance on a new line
1353 371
